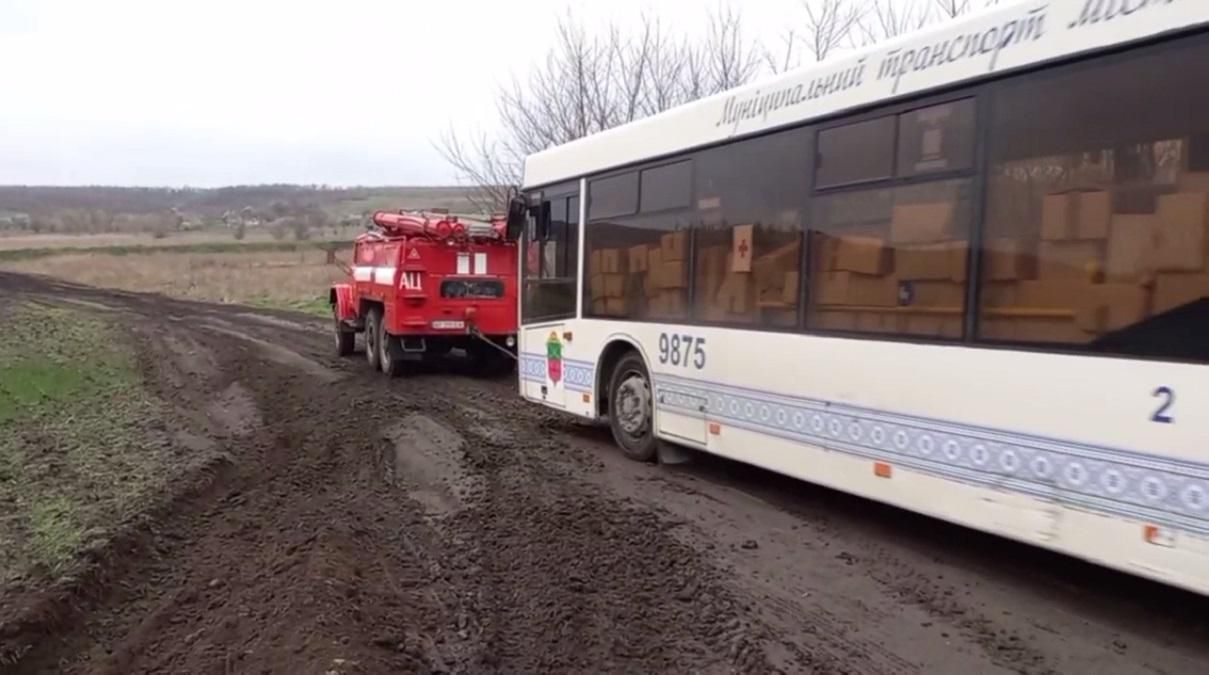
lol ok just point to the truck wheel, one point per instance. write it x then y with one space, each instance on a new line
391 358
345 338
373 319
631 409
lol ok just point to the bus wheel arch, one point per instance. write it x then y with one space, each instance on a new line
610 356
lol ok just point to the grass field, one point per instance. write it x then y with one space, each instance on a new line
73 460
285 276
43 242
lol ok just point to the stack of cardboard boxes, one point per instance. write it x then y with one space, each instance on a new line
624 279
914 283
1100 271
666 275
608 284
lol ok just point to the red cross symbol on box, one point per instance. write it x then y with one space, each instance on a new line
743 249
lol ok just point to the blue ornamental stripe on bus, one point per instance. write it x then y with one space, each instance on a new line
577 375
1130 484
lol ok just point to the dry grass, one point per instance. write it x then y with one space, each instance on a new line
296 280
254 235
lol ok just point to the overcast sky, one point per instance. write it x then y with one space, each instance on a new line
217 92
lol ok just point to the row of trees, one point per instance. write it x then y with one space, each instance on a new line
592 80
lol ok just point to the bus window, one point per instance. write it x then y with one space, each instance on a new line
1096 207
637 263
550 265
750 201
891 259
936 139
856 153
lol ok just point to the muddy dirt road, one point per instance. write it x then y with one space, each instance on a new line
438 524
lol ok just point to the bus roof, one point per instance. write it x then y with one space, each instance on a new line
985 44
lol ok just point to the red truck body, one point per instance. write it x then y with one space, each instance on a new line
424 284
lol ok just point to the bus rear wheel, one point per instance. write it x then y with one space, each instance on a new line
631 409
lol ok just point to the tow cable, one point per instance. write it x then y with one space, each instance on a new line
473 330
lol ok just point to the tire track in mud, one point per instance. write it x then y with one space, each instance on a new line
439 524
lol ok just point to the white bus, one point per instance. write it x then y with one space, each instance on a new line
963 273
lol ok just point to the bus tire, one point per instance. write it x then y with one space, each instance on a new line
373 352
346 339
631 409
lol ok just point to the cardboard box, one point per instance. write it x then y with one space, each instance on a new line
614 285
671 274
831 319
792 288
594 264
639 257
1007 260
1094 214
867 255
599 306
615 306
596 286
926 261
1103 308
733 294
1193 181
1131 243
871 322
1176 289
851 288
1050 293
1058 216
932 325
742 248
1040 329
824 252
674 246
669 303
1070 260
1179 243
922 223
610 261
999 294
654 258
935 293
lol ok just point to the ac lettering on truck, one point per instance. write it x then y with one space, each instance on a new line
682 350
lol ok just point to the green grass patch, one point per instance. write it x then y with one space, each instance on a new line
316 306
74 450
56 528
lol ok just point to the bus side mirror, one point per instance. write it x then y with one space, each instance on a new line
517 212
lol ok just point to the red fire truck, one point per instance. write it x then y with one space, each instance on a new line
425 283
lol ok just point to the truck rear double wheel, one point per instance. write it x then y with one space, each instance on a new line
383 350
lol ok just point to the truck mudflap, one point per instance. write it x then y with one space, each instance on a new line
341 296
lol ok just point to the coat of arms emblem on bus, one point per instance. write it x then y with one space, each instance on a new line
554 358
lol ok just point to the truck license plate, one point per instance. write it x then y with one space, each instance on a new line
448 325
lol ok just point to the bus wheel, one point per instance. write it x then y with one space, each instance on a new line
631 411
373 319
345 338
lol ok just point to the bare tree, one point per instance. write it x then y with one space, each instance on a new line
886 19
592 82
829 24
